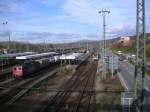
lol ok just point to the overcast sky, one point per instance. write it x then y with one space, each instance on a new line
67 20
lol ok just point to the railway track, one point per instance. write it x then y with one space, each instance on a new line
86 99
83 81
10 92
7 83
16 92
5 73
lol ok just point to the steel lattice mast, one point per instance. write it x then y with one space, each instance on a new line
104 12
140 56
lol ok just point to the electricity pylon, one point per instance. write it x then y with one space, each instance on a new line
104 12
140 56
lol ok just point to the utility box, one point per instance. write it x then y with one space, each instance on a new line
113 63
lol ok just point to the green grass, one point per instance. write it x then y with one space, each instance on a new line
125 49
147 73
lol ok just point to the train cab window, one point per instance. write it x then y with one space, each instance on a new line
19 68
15 68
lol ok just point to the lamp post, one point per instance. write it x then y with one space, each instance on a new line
104 13
4 24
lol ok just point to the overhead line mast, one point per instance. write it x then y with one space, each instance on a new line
140 56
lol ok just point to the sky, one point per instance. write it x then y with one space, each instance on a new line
61 21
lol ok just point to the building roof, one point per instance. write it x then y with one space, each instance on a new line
14 55
71 56
35 55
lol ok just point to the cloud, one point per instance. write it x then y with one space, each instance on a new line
4 36
92 37
81 11
69 20
122 19
86 11
124 30
12 6
50 2
42 34
36 37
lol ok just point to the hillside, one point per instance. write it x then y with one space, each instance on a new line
23 46
129 46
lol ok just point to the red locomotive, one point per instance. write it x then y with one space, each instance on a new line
32 63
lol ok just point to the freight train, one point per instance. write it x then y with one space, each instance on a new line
7 60
32 63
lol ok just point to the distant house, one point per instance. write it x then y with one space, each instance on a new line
3 51
124 41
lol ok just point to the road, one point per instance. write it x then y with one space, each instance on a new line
127 77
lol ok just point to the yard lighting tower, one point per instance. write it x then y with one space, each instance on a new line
4 24
140 56
104 13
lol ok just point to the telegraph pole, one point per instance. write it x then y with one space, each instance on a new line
112 66
27 47
9 41
104 13
140 56
87 46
